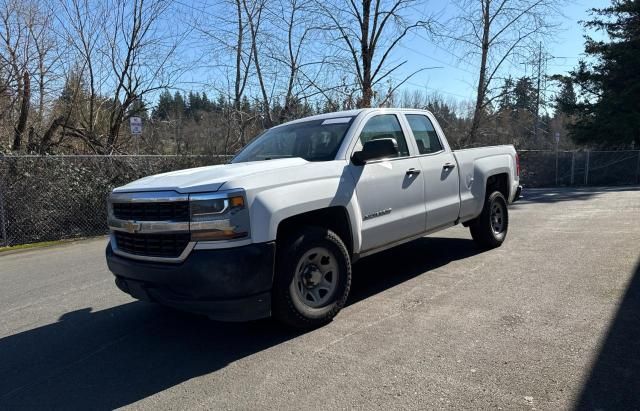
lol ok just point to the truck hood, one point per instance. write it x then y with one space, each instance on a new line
206 179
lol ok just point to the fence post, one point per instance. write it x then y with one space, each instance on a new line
638 169
556 165
573 165
586 169
4 241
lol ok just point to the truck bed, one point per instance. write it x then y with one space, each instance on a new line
476 163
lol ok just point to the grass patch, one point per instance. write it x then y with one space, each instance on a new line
32 245
48 243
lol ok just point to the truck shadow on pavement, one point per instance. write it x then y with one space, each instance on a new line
614 381
387 269
115 357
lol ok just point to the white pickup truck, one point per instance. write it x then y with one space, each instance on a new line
275 232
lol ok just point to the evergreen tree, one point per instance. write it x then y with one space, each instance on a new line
608 110
507 98
222 102
207 105
138 109
566 97
194 106
165 106
525 95
179 108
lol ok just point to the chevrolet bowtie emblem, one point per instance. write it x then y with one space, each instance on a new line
131 227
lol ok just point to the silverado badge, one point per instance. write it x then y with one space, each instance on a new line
377 214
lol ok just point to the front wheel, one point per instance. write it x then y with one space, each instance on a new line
313 277
489 229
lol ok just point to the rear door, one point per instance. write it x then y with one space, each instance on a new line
441 181
390 192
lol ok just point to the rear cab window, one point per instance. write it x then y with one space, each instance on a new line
425 134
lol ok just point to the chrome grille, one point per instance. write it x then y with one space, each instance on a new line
152 211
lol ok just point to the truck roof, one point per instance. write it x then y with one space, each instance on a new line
345 113
350 113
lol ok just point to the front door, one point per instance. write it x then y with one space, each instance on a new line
391 191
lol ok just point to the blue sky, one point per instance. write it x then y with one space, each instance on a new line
458 80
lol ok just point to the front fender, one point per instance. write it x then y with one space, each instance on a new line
273 205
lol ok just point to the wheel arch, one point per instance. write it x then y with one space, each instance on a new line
498 182
334 218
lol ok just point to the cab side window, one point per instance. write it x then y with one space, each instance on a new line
385 126
424 133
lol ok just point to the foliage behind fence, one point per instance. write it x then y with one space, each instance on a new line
58 197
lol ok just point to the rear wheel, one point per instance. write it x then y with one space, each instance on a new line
489 229
313 277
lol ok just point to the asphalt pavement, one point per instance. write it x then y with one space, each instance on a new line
550 320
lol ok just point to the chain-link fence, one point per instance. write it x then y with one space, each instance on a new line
579 168
58 197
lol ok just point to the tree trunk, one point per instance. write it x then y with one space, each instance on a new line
367 57
268 123
254 27
47 137
24 112
114 131
237 117
482 86
293 68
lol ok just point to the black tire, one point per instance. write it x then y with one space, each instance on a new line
483 228
289 306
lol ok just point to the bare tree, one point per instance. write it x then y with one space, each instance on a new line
29 60
124 51
254 18
141 57
264 52
370 30
498 32
229 41
45 65
15 40
46 54
296 49
81 24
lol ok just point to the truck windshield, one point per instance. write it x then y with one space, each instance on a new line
315 140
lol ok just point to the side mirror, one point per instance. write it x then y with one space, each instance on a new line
374 150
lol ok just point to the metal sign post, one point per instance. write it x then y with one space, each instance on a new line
586 169
135 123
557 135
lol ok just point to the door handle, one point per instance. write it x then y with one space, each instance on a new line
447 166
413 172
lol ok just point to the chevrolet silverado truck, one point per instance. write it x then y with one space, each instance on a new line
276 231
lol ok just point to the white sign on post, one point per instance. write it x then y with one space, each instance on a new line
136 125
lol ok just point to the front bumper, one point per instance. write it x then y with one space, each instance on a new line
231 284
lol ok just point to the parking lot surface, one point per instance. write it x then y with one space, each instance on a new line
550 320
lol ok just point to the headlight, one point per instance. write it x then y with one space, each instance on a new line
218 216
